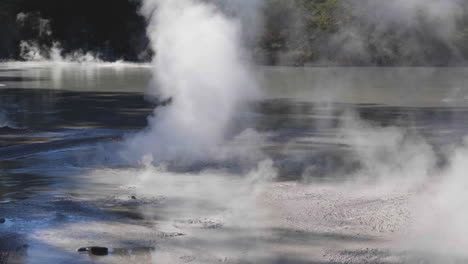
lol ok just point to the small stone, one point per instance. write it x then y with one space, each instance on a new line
99 251
174 234
133 197
2 220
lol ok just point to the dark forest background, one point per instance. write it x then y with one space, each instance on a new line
294 32
112 28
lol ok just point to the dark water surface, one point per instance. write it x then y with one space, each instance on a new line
58 115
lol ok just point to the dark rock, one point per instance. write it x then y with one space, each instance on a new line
2 220
98 251
133 197
8 130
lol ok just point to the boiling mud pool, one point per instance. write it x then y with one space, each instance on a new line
336 163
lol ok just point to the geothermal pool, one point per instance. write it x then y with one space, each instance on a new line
324 165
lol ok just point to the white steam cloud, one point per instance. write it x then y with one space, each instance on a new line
396 160
200 67
388 154
438 231
368 32
32 51
414 23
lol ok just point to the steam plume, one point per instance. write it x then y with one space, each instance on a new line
200 65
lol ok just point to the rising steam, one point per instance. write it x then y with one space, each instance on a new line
41 47
200 67
368 32
399 29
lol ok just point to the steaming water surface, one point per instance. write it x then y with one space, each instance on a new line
61 121
57 113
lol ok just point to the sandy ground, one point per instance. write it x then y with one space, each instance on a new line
213 219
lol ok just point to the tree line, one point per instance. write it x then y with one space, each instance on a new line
293 32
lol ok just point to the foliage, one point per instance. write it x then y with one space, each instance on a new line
295 32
